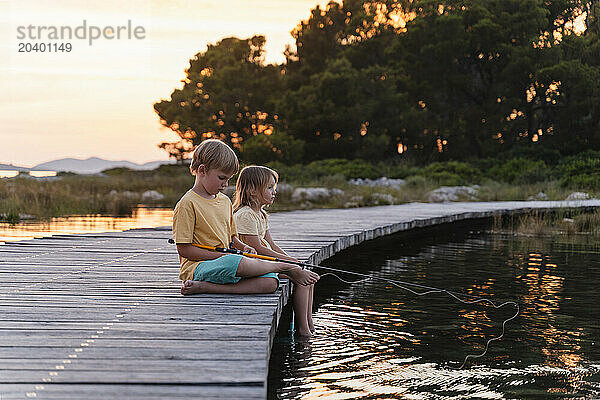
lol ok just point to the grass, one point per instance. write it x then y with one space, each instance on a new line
113 194
118 191
537 223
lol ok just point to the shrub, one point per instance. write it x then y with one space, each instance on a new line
452 173
534 152
400 171
581 171
351 169
416 181
521 170
316 170
172 170
117 171
291 173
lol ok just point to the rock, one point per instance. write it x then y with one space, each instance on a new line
540 196
382 199
284 189
357 199
451 193
152 195
383 181
314 194
578 196
126 194
305 205
130 195
229 191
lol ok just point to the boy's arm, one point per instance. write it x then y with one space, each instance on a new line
194 253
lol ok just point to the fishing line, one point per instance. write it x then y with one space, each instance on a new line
455 295
471 299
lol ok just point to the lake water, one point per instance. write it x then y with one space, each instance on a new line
141 217
376 341
35 174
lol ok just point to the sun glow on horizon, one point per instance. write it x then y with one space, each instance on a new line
97 100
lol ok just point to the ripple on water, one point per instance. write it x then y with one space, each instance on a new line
375 341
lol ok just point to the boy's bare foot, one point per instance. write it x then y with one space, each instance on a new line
192 287
302 276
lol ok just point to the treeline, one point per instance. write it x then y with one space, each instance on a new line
417 79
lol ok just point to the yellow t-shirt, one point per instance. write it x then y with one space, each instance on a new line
249 222
202 221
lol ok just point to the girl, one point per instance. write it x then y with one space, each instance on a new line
256 189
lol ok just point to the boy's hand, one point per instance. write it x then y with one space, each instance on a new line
249 249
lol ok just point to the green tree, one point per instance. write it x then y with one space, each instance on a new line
469 64
227 94
277 146
341 110
340 98
431 80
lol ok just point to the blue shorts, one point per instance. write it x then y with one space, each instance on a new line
222 270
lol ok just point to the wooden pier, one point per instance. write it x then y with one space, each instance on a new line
99 316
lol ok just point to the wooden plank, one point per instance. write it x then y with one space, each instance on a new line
57 391
180 376
177 349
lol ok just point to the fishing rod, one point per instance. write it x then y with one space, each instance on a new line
400 284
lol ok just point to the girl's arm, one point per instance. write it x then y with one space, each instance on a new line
275 251
254 241
274 246
238 244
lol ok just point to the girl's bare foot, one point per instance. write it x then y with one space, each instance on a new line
310 325
192 287
302 276
304 333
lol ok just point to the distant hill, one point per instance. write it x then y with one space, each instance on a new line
94 165
10 167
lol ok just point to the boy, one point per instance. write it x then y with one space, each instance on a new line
204 216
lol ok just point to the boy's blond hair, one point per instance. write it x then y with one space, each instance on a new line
252 178
214 154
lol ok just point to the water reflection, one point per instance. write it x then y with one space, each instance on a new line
141 217
375 341
35 174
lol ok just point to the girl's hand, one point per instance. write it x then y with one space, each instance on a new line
249 249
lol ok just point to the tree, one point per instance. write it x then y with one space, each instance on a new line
468 65
421 78
226 94
340 99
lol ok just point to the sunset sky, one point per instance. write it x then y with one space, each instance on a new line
97 100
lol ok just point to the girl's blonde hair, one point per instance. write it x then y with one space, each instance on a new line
253 178
214 154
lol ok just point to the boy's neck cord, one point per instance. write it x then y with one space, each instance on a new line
471 299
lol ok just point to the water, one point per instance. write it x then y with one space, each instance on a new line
141 217
376 341
35 174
